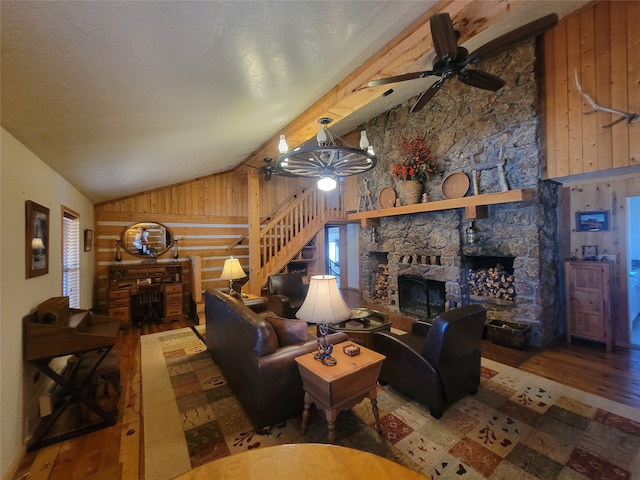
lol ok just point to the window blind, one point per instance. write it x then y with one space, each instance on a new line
71 258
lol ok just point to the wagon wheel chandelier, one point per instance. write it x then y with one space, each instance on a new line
330 159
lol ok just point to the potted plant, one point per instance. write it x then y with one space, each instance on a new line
419 164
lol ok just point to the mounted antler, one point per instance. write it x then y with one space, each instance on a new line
628 116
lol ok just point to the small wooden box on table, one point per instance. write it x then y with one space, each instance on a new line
340 387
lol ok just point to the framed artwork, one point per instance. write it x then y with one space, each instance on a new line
88 239
36 240
594 221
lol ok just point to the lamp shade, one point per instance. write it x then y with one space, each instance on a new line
232 269
323 303
37 244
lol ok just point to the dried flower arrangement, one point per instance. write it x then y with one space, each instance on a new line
418 164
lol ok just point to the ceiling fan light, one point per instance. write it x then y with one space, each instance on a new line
282 145
327 183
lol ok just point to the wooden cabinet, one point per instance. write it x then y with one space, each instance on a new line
119 304
588 301
172 300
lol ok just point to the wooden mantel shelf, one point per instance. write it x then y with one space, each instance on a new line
475 206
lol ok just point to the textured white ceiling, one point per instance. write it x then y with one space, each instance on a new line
125 96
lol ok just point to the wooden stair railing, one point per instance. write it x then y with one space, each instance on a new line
268 217
289 231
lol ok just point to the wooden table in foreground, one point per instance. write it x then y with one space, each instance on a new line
341 386
302 461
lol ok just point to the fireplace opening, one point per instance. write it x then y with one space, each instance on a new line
421 297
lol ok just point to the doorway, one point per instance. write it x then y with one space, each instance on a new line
633 267
332 242
342 254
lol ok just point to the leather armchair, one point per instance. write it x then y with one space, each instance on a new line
435 364
286 294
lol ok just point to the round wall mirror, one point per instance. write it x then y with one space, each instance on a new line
146 239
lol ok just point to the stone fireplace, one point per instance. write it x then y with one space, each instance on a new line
511 268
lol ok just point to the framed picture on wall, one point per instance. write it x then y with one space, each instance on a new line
36 240
594 221
88 239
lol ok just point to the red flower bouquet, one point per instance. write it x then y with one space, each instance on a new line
418 164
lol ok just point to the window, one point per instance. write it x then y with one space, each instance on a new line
71 257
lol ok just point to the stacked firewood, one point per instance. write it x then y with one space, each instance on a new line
492 282
381 286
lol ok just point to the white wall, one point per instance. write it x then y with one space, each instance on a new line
23 176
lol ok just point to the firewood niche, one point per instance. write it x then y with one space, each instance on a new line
493 282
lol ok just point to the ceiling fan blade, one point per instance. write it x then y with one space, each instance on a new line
508 40
400 78
480 79
426 96
444 36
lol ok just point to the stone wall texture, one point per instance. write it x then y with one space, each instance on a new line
465 126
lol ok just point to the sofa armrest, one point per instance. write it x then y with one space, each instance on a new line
420 328
280 305
258 305
401 357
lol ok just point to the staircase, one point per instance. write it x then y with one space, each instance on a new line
287 232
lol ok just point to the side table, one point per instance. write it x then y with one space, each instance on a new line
341 386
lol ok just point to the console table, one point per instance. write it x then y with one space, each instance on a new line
89 338
124 282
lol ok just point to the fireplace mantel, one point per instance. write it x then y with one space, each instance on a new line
472 204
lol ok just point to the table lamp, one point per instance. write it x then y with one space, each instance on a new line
232 271
324 305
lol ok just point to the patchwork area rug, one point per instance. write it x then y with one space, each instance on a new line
517 426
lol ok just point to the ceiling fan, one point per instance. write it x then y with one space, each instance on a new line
267 169
451 59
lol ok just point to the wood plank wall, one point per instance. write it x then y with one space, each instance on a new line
610 195
602 44
206 215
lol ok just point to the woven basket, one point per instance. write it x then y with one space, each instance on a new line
509 334
412 191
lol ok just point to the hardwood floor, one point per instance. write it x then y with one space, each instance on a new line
118 452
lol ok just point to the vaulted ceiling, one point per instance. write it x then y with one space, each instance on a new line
121 96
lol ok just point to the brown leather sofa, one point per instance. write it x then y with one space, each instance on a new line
262 374
435 364
286 294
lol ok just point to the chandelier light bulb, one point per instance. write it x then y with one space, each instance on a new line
327 184
370 150
364 141
322 136
282 145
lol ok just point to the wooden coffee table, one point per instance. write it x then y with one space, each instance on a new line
362 325
341 386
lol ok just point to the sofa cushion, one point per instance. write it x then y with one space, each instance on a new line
289 331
